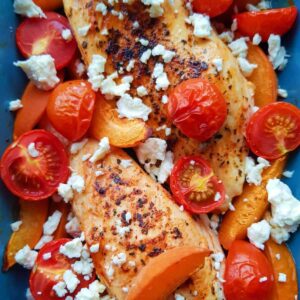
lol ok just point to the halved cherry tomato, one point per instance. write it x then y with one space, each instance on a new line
70 108
248 273
34 177
211 8
48 272
276 21
195 186
37 36
197 108
274 130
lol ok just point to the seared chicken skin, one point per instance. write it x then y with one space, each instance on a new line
133 219
227 150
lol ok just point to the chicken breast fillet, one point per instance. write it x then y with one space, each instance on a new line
119 41
132 217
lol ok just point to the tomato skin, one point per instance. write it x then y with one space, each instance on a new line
197 108
70 108
36 36
211 8
261 133
181 194
48 5
245 265
42 277
35 178
267 22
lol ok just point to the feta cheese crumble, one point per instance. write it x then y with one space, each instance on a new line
95 248
65 191
76 182
52 223
28 8
40 69
179 297
259 233
76 147
141 91
132 108
218 64
126 163
202 26
155 9
282 93
239 47
246 67
43 241
285 210
145 56
95 71
277 53
32 151
15 226
282 277
101 7
72 249
60 289
83 31
254 171
26 257
101 151
15 105
70 280
67 34
119 259
256 39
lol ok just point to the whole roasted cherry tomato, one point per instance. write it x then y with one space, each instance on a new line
211 8
70 108
267 22
36 36
34 165
48 5
197 108
194 185
48 271
274 130
248 273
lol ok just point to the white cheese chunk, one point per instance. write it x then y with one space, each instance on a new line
218 64
26 257
155 9
72 249
256 39
76 147
282 93
277 53
288 174
76 182
246 67
52 223
282 277
16 226
109 86
239 47
126 163
119 259
67 34
101 7
28 8
102 150
130 65
226 36
259 233
95 248
83 30
151 150
145 56
179 297
132 108
165 168
72 226
141 91
15 105
202 26
43 241
60 289
285 210
70 280
254 171
65 191
32 151
95 71
40 69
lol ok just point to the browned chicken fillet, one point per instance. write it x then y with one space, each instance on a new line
130 214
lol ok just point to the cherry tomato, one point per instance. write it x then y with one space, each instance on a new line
37 36
70 108
34 165
246 267
211 8
197 108
48 4
195 186
274 130
48 272
276 21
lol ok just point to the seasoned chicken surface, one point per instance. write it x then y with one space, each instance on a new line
227 150
134 219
